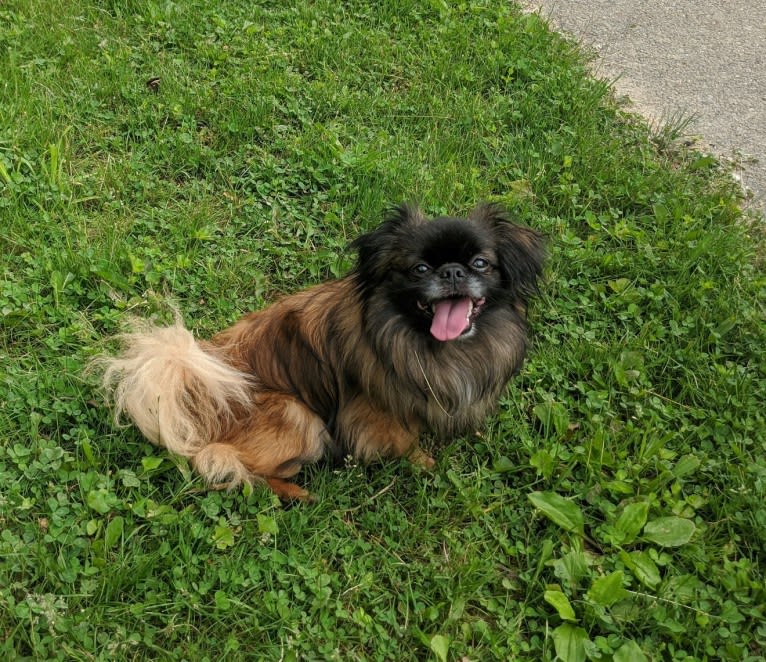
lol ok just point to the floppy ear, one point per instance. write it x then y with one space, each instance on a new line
375 249
520 250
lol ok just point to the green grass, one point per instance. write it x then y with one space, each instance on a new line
616 502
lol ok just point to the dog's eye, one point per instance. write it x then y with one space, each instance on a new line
421 268
480 263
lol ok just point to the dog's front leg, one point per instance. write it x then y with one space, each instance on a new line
372 433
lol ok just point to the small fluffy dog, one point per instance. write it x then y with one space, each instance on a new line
423 334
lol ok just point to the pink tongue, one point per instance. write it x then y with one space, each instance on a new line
450 318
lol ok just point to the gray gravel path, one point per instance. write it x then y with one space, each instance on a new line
699 58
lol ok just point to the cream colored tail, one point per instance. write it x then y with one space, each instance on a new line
179 395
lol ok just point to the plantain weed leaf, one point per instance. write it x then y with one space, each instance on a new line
554 416
439 645
642 566
607 590
569 642
669 531
686 466
571 567
561 604
629 652
559 510
114 531
632 520
503 464
151 463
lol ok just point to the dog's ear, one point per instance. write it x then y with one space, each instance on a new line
376 249
520 250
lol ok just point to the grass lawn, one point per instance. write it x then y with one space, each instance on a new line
213 155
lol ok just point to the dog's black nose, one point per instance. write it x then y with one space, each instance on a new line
452 272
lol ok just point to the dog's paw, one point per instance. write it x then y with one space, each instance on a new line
288 491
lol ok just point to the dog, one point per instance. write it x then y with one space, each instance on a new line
422 335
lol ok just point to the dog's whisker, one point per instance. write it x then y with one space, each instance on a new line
430 388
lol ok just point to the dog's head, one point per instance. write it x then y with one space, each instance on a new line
443 275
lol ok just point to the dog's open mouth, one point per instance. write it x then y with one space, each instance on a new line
452 317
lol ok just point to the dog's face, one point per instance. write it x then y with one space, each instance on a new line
442 276
448 272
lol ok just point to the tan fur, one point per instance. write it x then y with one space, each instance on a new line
179 395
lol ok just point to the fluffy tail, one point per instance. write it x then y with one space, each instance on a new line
180 395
